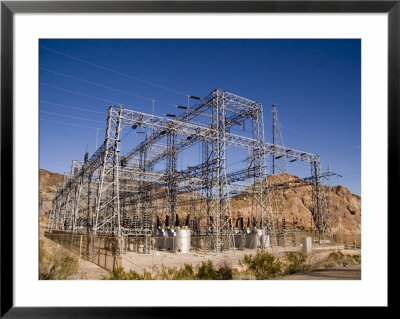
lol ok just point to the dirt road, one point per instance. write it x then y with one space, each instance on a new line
352 272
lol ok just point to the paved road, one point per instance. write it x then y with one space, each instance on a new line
352 272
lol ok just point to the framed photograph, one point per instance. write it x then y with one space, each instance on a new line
162 154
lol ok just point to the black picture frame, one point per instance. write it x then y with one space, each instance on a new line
9 8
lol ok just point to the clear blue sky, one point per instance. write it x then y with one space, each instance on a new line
316 85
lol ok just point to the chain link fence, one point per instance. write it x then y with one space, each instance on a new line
103 251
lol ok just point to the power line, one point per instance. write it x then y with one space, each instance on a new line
114 71
350 176
71 107
310 136
77 92
95 128
70 116
104 86
90 96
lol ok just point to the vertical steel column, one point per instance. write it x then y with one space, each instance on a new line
206 185
278 164
78 190
320 217
58 215
258 161
103 171
107 199
89 221
273 134
264 212
171 177
328 207
116 166
65 212
223 214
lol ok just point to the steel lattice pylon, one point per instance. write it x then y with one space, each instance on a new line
278 163
124 195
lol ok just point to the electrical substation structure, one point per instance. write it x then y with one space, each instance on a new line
143 194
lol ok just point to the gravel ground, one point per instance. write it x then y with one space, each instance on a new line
352 272
90 271
141 262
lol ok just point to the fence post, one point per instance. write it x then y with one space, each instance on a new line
98 251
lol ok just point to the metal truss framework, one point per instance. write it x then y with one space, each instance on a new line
278 162
124 195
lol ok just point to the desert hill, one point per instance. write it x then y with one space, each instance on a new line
294 204
47 185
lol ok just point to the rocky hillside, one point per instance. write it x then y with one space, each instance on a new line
47 184
293 204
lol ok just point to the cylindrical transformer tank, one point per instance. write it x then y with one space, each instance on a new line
252 241
160 239
264 241
306 245
169 239
182 240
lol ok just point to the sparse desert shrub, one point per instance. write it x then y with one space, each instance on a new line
186 273
357 259
263 265
207 271
56 263
225 272
147 276
120 274
163 273
336 256
117 274
339 259
297 263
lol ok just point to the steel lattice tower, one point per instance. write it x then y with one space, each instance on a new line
278 163
123 195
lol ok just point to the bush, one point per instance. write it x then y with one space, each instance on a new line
225 272
120 274
207 271
56 263
357 259
186 273
339 259
297 263
163 274
263 265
